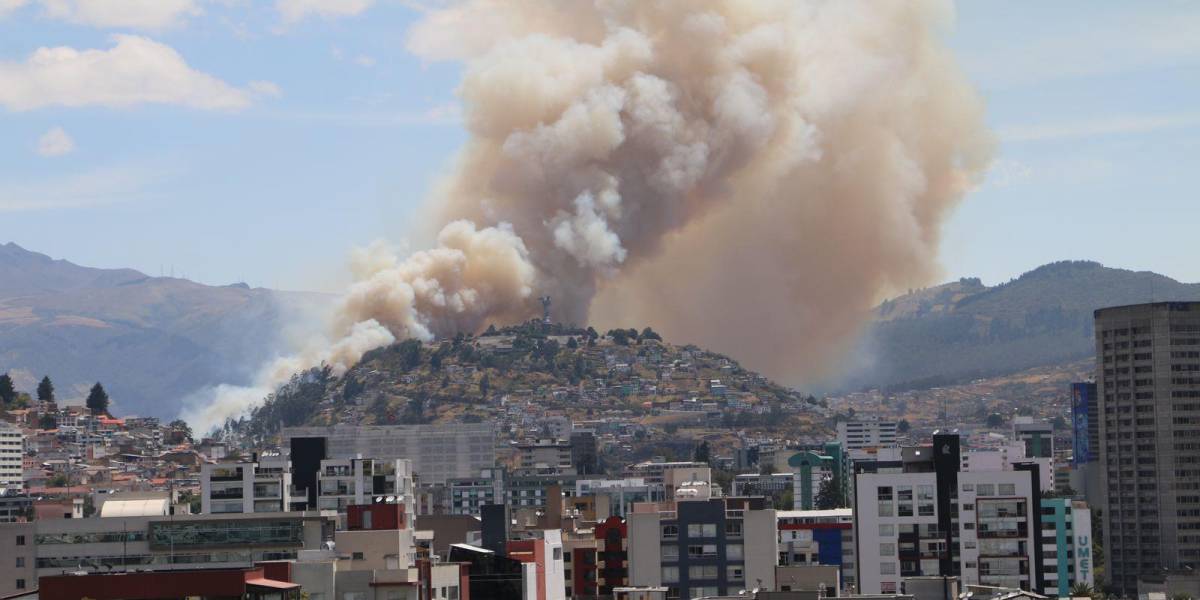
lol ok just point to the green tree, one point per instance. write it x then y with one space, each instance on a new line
182 427
650 334
47 422
702 453
994 420
485 385
903 426
8 394
45 390
830 496
97 400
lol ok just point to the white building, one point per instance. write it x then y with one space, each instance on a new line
246 487
910 514
867 433
12 448
342 482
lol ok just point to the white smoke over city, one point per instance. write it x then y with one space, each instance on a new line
750 175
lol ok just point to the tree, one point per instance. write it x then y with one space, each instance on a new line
571 343
485 385
903 426
830 496
97 400
650 334
1082 590
45 391
47 422
1059 423
182 427
994 420
702 453
8 394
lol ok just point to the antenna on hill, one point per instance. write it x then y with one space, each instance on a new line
545 309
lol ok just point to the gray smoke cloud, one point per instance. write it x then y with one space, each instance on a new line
750 175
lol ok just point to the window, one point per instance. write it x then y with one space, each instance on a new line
20 562
887 568
735 573
885 493
670 532
696 530
558 554
702 572
20 540
733 529
968 507
670 574
1007 489
886 509
887 530
670 552
356 555
985 489
699 550
733 552
887 549
20 584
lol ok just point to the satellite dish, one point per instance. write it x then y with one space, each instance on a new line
391 499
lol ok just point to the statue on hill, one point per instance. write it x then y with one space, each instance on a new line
545 309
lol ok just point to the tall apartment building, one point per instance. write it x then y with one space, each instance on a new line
868 433
358 481
437 452
710 547
922 515
468 495
1148 387
1067 546
545 457
818 537
12 449
261 486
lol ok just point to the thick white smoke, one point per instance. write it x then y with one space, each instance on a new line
752 175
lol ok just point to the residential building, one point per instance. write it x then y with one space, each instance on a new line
344 482
545 457
817 537
665 478
613 497
1148 387
12 450
257 486
1037 436
19 561
866 433
437 452
469 494
699 547
922 515
1066 546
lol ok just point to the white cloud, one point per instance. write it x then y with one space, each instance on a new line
363 60
293 11
265 88
7 6
137 70
1109 125
55 142
94 188
137 14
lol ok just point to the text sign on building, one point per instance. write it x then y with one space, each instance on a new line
1081 529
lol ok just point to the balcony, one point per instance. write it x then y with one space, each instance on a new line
234 494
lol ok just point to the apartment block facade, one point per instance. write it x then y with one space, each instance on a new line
1148 389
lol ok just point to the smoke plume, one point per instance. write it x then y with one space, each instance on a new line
752 175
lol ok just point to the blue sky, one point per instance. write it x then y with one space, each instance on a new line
292 131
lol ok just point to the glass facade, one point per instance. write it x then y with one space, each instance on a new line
272 532
105 537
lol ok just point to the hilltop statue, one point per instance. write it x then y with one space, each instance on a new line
545 309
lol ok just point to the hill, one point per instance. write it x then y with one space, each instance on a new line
515 376
965 330
150 340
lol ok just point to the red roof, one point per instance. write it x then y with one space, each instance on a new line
271 583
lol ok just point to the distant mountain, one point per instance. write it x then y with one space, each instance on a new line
965 330
150 340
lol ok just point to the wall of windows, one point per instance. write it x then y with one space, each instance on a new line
271 532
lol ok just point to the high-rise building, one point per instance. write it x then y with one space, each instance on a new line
1067 528
437 452
1036 435
1148 387
868 433
922 515
709 547
12 446
258 486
